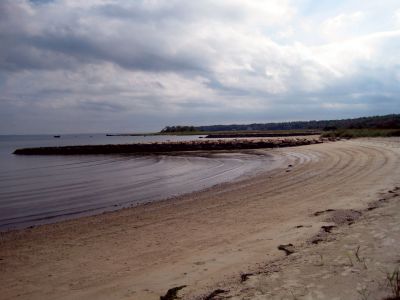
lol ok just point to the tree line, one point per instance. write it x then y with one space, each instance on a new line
391 121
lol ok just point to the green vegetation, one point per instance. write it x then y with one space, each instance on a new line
173 129
355 133
244 132
376 122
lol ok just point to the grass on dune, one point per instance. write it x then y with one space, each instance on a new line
356 133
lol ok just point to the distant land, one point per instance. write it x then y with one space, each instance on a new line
391 121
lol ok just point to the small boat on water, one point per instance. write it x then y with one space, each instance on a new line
57 136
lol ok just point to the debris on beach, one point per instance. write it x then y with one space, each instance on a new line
317 213
214 294
288 249
245 276
172 293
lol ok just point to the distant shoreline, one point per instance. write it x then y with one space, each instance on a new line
259 135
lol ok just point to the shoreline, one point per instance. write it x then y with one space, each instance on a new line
197 240
263 160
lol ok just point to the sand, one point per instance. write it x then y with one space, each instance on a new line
207 239
352 262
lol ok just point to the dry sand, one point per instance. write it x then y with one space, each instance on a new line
353 261
206 239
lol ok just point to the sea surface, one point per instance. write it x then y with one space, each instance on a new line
44 189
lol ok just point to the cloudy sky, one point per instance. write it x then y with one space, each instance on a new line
69 66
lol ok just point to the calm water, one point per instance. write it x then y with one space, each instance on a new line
43 189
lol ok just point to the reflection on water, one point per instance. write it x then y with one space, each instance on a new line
42 189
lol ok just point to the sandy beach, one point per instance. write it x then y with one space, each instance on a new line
205 240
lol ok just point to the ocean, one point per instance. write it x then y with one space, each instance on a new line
44 189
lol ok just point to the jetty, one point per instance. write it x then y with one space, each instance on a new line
167 147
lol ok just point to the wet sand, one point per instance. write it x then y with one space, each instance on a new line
202 240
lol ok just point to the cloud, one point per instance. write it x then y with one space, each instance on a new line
150 35
396 18
124 63
342 25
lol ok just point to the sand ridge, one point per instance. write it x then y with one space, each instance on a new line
201 239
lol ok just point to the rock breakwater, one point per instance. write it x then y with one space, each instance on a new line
166 147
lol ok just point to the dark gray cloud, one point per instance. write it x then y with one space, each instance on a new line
74 37
139 65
